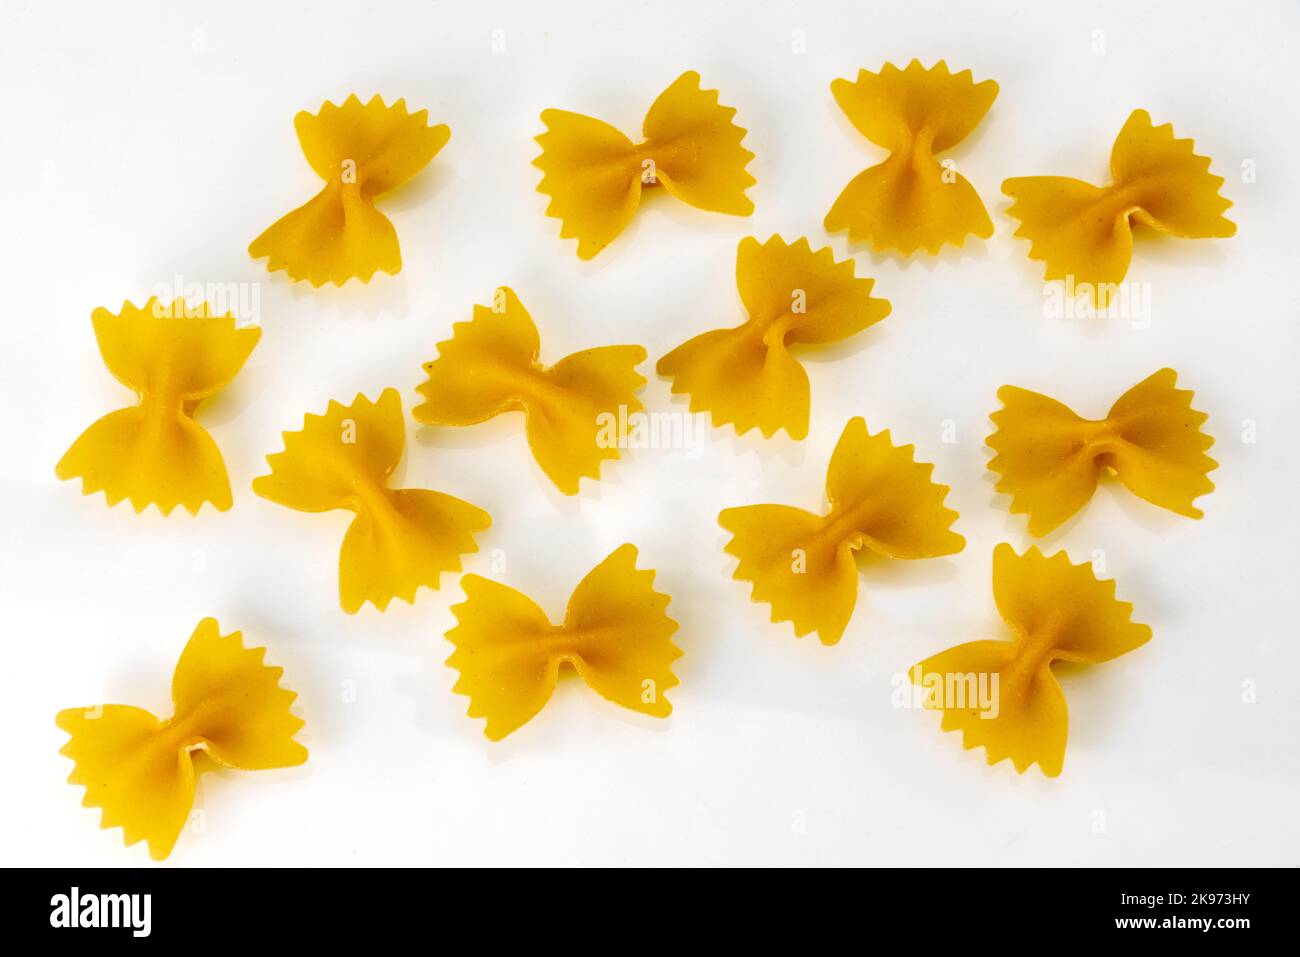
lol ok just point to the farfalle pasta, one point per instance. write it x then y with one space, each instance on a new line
912 200
360 151
616 634
594 174
490 366
154 453
140 770
1049 460
1085 232
400 539
746 376
802 564
1002 695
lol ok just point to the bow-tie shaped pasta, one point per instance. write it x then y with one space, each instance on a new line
912 200
803 564
571 409
616 634
794 296
360 152
173 357
228 704
1086 232
1049 459
401 538
594 174
1002 695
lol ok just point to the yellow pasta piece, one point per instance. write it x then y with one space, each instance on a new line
571 409
360 152
1049 460
912 200
746 376
1002 695
140 770
400 539
803 564
616 634
1086 232
594 174
173 357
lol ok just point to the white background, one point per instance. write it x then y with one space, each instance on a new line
142 147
